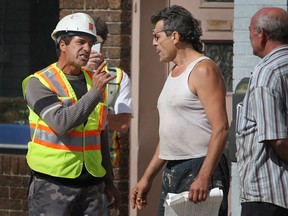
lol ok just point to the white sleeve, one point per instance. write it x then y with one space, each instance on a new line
123 103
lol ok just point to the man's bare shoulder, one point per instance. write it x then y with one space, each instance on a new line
205 70
206 76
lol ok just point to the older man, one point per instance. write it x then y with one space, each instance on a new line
262 130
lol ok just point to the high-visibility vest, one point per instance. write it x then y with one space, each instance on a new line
112 91
112 88
65 156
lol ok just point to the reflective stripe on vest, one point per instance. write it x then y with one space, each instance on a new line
50 76
73 141
112 87
64 156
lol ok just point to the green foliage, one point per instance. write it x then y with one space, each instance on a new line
13 111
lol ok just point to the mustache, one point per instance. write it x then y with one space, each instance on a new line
83 52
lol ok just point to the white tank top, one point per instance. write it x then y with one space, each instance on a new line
184 130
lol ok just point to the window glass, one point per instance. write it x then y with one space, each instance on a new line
222 54
219 0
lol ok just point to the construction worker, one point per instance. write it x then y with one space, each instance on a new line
118 98
69 152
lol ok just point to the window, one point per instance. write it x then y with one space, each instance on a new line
25 47
219 0
222 54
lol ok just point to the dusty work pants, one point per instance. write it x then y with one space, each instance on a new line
47 198
178 175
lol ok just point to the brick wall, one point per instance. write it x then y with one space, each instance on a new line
14 177
121 176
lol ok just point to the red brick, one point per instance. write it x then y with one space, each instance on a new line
23 167
109 16
14 164
25 181
125 65
4 192
10 181
75 4
123 210
114 40
6 164
24 204
99 4
4 213
19 213
1 164
114 4
114 52
10 204
64 13
125 53
27 169
126 5
18 193
114 29
123 185
124 197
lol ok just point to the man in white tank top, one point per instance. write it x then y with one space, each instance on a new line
193 119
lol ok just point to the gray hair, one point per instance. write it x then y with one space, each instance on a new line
276 27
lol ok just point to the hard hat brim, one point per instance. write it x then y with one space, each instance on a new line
56 36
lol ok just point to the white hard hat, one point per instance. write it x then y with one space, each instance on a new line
76 23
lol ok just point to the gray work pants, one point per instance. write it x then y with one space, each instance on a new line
47 198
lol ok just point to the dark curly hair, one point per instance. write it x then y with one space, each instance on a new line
177 18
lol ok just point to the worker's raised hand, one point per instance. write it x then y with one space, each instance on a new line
101 77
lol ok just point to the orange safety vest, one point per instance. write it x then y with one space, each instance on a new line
65 156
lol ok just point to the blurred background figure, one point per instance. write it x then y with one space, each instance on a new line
118 98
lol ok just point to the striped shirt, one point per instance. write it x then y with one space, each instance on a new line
264 116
